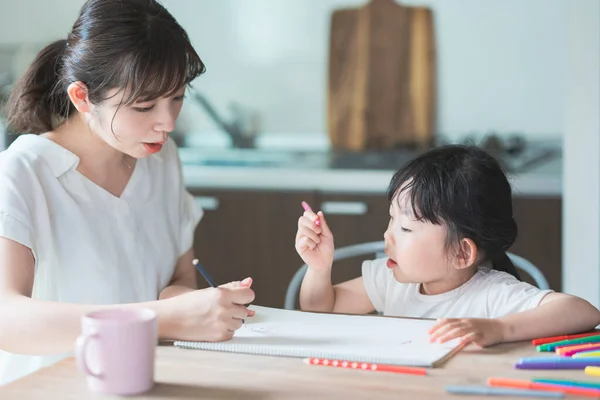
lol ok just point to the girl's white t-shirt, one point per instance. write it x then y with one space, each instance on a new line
488 294
91 247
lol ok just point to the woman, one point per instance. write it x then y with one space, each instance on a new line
93 209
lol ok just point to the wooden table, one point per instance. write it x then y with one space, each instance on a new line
195 374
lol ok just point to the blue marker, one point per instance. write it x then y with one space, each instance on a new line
497 391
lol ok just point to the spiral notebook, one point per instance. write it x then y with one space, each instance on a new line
361 338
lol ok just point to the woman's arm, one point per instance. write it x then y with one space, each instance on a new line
184 277
30 326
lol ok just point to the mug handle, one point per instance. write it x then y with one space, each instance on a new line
80 351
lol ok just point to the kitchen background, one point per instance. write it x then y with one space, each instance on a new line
267 125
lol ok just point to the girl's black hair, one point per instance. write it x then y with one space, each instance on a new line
464 188
132 45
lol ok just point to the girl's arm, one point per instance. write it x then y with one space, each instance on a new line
557 314
318 294
351 298
314 243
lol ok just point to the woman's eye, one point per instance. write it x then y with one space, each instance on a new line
405 229
143 109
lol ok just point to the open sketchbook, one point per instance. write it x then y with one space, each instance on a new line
276 332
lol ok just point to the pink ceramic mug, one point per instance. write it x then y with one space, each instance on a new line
116 350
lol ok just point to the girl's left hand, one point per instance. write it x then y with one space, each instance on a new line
481 331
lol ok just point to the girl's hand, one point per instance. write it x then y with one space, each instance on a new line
481 331
314 240
212 314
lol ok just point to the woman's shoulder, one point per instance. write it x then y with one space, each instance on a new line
21 159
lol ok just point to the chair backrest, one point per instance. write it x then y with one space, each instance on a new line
377 248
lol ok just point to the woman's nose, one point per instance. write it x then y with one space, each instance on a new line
166 121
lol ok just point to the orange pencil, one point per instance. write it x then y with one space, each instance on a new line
552 339
524 384
366 366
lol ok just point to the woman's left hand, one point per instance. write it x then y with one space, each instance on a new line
481 331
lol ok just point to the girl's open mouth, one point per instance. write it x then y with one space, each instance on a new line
391 263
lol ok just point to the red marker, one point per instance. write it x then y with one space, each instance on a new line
307 208
552 339
366 366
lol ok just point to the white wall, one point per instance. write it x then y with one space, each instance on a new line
501 62
31 21
581 201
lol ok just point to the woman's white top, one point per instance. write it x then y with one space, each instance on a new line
90 246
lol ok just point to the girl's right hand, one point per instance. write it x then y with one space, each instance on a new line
314 241
212 314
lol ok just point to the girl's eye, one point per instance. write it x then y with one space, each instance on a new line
143 109
179 98
405 229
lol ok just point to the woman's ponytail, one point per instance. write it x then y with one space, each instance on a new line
38 102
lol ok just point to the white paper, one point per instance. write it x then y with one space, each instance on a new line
344 337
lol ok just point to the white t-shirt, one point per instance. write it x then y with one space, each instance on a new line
90 246
488 294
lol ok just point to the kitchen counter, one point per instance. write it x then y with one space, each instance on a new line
272 167
543 181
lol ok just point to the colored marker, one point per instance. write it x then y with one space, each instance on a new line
366 366
537 342
524 384
308 208
501 391
584 354
583 340
595 371
557 362
564 382
568 351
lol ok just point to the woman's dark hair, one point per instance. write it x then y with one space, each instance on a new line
464 188
133 45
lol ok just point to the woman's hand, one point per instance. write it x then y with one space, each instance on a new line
481 331
212 314
314 240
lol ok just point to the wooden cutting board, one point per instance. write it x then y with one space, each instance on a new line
381 78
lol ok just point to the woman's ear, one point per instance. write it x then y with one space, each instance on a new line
467 254
78 93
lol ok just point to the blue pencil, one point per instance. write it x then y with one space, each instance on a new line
496 391
204 273
206 276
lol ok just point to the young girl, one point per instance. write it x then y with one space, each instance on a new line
93 209
450 225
